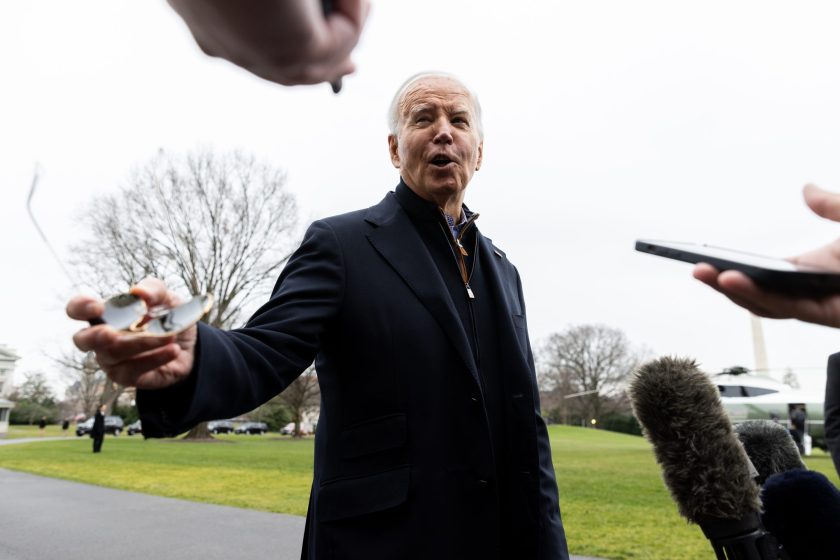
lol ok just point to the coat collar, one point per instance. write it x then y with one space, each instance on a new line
395 237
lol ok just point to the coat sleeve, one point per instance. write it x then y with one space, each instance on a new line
552 540
236 371
832 408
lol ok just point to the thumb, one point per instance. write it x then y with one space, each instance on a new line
824 203
154 292
354 10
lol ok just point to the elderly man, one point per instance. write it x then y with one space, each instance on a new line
430 443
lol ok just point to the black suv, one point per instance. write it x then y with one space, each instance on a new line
134 428
220 426
252 428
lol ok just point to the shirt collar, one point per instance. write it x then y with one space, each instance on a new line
425 210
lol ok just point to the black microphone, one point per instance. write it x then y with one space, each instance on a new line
801 507
802 510
770 447
704 465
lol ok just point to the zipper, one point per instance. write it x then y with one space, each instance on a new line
459 251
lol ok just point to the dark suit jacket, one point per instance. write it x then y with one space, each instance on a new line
98 428
832 409
403 455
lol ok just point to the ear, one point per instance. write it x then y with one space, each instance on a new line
393 149
480 155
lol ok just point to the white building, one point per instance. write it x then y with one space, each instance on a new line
7 368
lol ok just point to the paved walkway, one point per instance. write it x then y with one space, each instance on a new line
46 518
4 441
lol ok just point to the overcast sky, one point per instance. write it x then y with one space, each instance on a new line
605 121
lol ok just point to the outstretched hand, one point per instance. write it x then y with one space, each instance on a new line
289 42
145 362
739 288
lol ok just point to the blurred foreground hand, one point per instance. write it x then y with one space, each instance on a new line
289 42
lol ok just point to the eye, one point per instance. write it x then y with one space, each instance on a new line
460 120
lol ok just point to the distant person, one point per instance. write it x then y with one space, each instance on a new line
739 288
65 425
42 424
290 42
797 427
97 432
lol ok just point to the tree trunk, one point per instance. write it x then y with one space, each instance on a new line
199 432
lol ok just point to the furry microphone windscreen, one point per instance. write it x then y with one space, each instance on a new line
769 446
704 465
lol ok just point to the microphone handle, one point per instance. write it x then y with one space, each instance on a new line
742 539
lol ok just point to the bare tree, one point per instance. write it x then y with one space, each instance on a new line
302 396
33 399
591 362
88 386
205 223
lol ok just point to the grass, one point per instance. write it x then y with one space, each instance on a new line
612 497
258 472
17 432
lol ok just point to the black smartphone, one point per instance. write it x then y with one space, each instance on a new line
773 274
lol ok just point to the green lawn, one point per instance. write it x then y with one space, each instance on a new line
16 432
612 497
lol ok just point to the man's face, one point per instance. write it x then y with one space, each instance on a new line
437 147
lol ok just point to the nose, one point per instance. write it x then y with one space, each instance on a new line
443 132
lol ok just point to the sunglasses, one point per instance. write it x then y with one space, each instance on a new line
129 313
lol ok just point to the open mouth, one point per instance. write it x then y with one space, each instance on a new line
441 161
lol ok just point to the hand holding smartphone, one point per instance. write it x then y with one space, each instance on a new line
772 274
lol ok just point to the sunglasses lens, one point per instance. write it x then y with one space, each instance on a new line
123 310
181 317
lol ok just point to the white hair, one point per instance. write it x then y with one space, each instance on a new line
394 109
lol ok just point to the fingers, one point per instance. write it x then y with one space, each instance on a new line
148 362
734 285
144 367
88 340
127 348
706 273
84 308
112 347
154 292
744 292
343 29
354 10
822 202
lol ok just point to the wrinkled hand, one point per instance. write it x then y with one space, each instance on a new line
285 41
147 362
739 288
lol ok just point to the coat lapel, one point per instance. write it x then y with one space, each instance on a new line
508 299
397 240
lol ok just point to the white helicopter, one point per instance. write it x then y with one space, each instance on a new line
749 396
